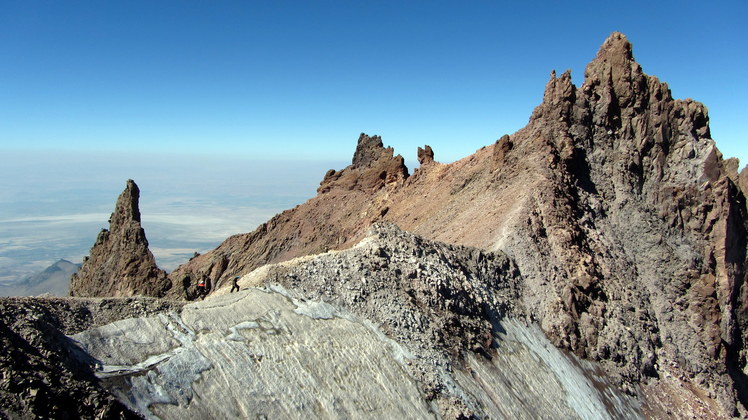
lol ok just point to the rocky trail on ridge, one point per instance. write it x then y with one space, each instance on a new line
627 226
378 330
610 226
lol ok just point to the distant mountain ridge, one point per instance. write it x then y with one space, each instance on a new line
54 280
626 225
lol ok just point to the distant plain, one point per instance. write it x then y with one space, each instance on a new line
53 204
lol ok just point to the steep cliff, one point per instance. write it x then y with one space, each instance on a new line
120 263
627 226
644 226
396 326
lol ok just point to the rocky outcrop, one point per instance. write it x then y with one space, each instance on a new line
373 167
425 155
627 226
391 275
43 375
640 214
348 202
397 326
120 263
500 150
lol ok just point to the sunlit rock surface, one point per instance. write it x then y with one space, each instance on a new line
611 222
255 353
270 352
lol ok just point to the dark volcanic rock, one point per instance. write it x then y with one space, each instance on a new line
627 226
455 290
425 155
120 263
373 167
642 216
42 374
503 146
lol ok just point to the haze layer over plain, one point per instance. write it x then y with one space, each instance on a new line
52 205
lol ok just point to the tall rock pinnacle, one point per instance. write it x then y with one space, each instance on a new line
120 263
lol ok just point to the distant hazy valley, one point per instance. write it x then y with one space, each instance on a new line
191 205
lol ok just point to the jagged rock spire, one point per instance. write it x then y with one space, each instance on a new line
120 263
127 208
614 203
425 155
373 166
614 57
368 150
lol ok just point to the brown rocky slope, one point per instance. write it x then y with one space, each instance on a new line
627 227
624 220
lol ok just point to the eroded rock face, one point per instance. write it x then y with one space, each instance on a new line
501 149
373 167
348 202
627 226
395 327
425 155
641 216
43 374
392 275
120 263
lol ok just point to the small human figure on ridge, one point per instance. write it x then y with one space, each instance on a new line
234 285
201 291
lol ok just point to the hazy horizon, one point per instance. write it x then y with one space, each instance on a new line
187 204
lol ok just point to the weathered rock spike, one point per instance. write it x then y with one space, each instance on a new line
425 155
127 207
373 166
368 150
120 263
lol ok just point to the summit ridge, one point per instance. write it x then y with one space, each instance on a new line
626 227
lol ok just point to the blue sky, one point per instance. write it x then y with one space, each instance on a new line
301 79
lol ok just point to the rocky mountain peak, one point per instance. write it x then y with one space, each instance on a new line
624 156
369 150
373 167
616 50
626 226
558 98
425 155
127 209
120 263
